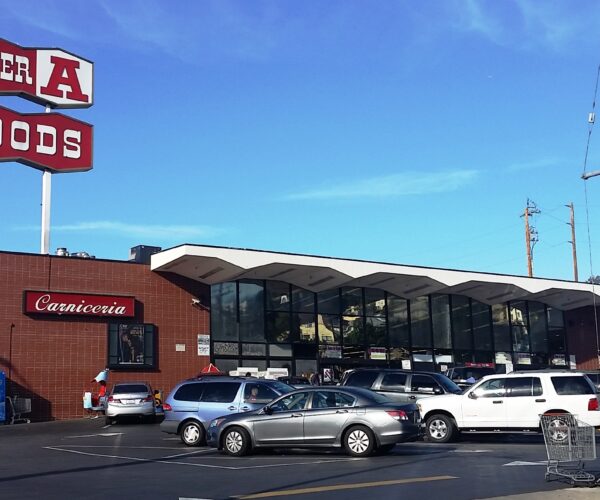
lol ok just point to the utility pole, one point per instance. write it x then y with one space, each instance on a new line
573 244
531 235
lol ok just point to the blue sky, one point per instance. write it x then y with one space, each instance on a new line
398 131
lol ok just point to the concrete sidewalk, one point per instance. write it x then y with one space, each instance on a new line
566 494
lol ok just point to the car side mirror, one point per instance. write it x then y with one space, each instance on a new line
268 410
472 395
438 390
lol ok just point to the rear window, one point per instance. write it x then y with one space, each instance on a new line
189 392
127 388
362 379
524 386
220 392
572 385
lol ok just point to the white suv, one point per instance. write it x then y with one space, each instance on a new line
510 403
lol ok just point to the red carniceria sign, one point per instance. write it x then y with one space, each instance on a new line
46 76
46 141
77 304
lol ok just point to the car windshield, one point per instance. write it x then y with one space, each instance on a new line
127 388
281 388
448 385
467 372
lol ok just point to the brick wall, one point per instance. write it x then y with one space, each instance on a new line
52 360
581 337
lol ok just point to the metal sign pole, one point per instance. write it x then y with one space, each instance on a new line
46 201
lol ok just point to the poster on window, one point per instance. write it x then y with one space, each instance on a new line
203 345
131 344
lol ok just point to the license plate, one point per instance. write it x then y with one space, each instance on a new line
129 401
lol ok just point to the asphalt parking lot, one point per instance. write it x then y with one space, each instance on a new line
85 458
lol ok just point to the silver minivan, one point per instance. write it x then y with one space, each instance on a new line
193 403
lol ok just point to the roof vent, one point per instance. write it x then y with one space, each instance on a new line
62 252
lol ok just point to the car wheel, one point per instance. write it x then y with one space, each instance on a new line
359 441
558 429
192 433
440 429
236 442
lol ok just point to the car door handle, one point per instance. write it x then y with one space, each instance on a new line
540 400
342 411
497 402
245 408
412 397
232 408
295 415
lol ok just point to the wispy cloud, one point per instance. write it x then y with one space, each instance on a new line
526 23
151 231
535 164
389 186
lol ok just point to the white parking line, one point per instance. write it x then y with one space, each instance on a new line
105 434
164 460
519 462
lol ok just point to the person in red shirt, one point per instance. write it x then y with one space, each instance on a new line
98 400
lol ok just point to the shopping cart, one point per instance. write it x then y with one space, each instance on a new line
569 443
17 407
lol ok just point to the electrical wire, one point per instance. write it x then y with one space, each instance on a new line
587 213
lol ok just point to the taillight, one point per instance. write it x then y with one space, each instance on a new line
110 399
397 414
148 399
593 404
167 407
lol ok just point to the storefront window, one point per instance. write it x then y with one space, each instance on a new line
328 302
278 296
502 340
278 327
131 346
328 328
376 331
398 321
519 326
352 303
461 322
482 326
353 330
374 302
302 300
420 322
538 328
226 365
556 332
252 326
440 316
304 327
223 311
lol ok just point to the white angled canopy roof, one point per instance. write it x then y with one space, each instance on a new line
212 265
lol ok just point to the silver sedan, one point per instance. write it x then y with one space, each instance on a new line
358 420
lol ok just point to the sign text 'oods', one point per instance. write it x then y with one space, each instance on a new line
75 304
46 76
46 141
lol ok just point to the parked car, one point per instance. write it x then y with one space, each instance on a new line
193 403
400 385
297 382
511 402
595 378
127 399
358 420
466 376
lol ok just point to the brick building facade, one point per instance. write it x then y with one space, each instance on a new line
52 359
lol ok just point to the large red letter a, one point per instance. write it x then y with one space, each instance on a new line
64 74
